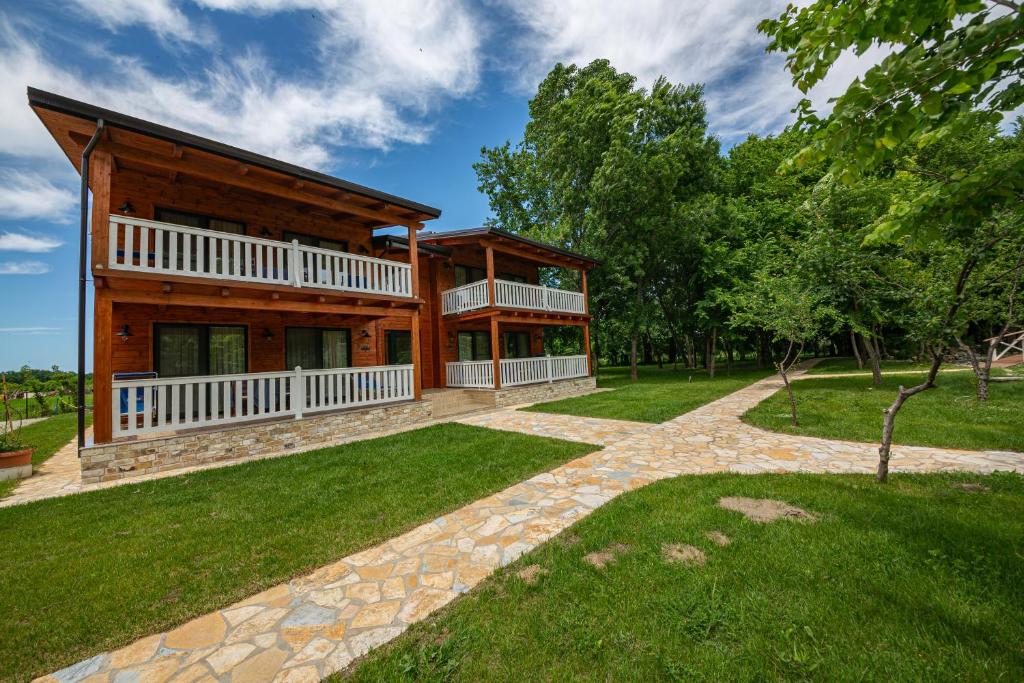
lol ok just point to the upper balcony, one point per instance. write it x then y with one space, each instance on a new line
512 295
151 247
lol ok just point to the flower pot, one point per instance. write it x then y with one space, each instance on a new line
16 464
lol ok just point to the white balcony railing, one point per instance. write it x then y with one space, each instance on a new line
477 374
515 371
147 246
465 298
538 298
163 405
512 295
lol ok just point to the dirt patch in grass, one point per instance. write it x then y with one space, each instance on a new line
971 487
530 575
765 509
602 558
680 553
718 538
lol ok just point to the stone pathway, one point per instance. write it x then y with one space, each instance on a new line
313 626
60 475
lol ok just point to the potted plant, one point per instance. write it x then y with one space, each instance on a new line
15 458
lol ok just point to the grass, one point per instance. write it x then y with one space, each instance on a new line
21 406
915 580
91 572
948 416
45 438
832 365
657 396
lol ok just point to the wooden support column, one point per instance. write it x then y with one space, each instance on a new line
490 277
103 329
586 295
586 348
100 168
495 350
414 261
417 360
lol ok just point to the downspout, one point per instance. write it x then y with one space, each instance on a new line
83 239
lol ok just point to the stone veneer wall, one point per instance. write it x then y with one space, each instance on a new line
124 459
538 393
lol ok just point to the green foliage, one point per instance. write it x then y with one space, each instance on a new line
951 64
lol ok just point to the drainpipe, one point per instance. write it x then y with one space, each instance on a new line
83 239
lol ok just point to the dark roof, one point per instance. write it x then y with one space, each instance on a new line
83 110
388 241
482 231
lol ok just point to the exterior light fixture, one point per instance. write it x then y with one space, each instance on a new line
127 209
267 334
364 334
124 333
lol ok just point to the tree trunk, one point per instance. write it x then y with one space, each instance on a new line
709 361
633 374
876 362
856 351
784 366
889 423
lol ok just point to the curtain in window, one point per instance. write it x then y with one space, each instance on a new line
179 352
399 347
517 345
301 348
227 350
335 349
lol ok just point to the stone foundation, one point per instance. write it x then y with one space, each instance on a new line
538 393
124 459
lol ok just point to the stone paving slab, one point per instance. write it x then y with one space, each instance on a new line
316 625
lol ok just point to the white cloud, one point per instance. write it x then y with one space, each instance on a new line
14 241
162 16
29 330
23 268
715 43
29 195
380 69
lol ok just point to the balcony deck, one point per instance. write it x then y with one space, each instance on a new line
479 374
512 295
154 248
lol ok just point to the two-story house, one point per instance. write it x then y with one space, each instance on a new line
243 305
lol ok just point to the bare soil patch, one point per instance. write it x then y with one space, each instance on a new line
765 509
602 558
718 538
530 575
680 553
973 488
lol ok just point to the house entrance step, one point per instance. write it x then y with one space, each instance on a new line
448 402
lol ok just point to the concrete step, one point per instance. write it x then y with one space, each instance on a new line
448 402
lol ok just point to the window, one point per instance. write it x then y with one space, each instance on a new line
314 241
474 346
399 344
196 350
511 278
195 220
465 275
517 344
313 348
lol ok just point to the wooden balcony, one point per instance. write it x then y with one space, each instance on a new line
512 295
164 249
479 374
150 406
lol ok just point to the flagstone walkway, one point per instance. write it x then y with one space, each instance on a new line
313 626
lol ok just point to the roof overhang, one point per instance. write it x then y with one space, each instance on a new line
504 240
155 146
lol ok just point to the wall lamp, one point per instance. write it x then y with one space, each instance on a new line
127 209
124 333
267 334
364 334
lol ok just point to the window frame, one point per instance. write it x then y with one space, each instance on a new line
467 270
203 217
387 346
320 344
289 235
507 336
204 347
472 346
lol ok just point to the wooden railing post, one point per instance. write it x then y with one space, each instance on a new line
495 351
296 264
298 393
550 378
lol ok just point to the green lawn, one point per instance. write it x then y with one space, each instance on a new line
87 573
830 365
915 580
20 406
46 438
948 416
657 396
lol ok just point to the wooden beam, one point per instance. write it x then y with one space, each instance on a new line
491 300
586 348
414 262
100 168
586 294
179 299
101 363
207 169
417 361
496 352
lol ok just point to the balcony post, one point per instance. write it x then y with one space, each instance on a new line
586 298
491 300
550 378
102 390
495 347
586 346
417 365
298 393
414 263
296 265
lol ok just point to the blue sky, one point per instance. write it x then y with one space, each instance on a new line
398 95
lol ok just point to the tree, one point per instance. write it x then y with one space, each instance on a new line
604 168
